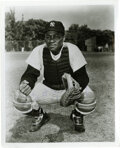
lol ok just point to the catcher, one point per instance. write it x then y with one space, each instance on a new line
61 67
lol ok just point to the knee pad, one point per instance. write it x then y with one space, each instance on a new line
85 109
23 107
87 102
23 103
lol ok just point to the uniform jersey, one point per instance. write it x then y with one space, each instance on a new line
76 57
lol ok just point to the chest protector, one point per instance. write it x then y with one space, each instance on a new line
53 70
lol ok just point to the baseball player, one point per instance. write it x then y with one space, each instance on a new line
61 68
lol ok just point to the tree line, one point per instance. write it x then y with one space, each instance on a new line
28 34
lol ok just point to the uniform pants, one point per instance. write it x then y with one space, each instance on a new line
45 95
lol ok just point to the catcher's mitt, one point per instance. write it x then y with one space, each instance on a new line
73 90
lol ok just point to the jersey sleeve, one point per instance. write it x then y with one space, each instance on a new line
34 58
76 58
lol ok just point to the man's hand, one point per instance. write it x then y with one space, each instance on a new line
25 88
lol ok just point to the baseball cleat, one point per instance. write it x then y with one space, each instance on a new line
77 121
39 121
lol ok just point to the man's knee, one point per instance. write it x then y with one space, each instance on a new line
23 103
88 97
87 103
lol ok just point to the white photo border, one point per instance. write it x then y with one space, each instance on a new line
116 4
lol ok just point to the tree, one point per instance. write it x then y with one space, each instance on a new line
10 25
83 33
74 27
78 34
10 30
71 34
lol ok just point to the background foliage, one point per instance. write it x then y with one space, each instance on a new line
28 34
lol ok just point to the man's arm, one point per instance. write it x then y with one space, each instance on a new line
81 77
28 79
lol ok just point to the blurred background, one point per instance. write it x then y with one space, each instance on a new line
90 27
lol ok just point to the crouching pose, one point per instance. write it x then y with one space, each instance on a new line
65 80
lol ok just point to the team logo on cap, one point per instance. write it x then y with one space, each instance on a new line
52 24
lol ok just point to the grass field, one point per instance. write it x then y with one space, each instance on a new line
100 126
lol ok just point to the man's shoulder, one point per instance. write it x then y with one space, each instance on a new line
71 47
39 47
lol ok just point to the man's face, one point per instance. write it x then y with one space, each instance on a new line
54 41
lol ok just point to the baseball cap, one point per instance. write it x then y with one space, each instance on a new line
55 26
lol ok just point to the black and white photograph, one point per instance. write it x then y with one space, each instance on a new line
59 73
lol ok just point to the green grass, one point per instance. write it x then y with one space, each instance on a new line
99 125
